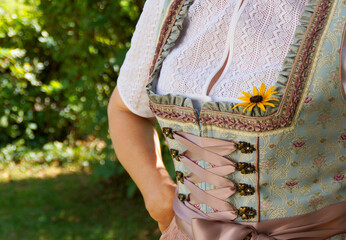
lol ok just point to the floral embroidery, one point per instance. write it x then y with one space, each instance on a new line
308 99
339 26
291 185
324 118
334 78
316 201
339 178
290 203
342 140
298 144
269 165
319 162
266 206
260 98
271 146
294 164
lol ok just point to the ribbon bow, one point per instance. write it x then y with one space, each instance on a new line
204 229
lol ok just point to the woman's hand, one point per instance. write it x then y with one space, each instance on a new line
159 203
138 149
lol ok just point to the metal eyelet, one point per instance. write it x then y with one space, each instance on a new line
180 176
245 189
168 132
182 197
175 154
245 168
245 147
246 212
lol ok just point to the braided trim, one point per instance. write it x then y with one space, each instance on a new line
170 113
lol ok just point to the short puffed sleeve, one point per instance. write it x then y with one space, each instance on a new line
133 76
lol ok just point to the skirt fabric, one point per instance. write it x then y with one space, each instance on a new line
174 233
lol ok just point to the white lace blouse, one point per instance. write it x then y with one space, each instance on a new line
244 41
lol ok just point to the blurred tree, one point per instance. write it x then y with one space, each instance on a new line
59 61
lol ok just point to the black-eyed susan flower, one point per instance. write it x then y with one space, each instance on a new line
259 98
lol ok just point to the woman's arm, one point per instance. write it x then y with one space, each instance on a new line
138 149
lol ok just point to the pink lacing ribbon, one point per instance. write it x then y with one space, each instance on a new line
212 151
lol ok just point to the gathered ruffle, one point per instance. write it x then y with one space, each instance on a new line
173 37
288 63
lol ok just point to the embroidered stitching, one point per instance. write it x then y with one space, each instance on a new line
184 117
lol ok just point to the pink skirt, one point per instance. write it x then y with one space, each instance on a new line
174 233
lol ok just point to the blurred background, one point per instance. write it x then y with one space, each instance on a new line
59 175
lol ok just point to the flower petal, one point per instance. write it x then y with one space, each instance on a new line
248 105
254 91
246 99
271 89
251 106
262 89
245 108
269 92
240 104
261 106
247 94
271 99
269 104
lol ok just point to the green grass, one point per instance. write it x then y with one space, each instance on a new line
68 204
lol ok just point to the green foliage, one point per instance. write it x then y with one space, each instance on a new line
67 204
59 61
57 153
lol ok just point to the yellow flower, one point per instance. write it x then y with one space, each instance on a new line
260 98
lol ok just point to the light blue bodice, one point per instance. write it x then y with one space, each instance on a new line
299 144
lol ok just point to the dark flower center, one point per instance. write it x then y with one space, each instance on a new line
256 99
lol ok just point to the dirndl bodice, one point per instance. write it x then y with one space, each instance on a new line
274 174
